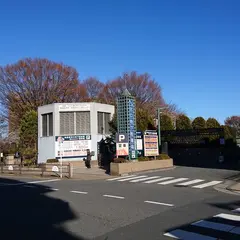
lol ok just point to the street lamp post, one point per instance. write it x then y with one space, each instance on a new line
159 126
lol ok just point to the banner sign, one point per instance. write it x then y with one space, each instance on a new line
139 143
122 145
72 146
150 143
132 129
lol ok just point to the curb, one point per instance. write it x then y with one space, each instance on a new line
226 188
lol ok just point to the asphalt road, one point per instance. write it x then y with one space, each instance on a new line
128 209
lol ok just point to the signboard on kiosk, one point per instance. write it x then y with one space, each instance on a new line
122 145
72 146
150 143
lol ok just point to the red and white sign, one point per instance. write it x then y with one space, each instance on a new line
122 149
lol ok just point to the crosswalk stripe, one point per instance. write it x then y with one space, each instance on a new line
159 179
214 225
143 179
131 178
181 234
228 216
237 210
208 184
190 182
112 179
236 230
173 181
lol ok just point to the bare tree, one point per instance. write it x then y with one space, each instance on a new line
93 88
146 90
31 83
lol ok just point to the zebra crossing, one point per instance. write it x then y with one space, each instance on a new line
179 182
221 226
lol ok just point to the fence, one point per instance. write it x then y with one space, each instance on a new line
42 170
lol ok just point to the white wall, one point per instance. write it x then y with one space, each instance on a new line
46 149
46 145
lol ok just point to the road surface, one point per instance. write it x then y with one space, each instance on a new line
181 203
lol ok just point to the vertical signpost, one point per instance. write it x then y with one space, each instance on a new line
126 116
139 143
60 142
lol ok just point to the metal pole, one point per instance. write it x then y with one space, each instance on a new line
61 159
159 129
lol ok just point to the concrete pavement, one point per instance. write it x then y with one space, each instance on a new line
101 209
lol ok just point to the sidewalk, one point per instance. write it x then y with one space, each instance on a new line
235 187
93 173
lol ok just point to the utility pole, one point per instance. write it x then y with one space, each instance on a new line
159 127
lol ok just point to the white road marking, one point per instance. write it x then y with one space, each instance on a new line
159 203
23 183
228 216
190 182
236 230
43 181
237 210
11 184
144 179
29 186
173 181
160 179
112 196
118 178
131 178
213 225
208 184
181 234
79 192
54 189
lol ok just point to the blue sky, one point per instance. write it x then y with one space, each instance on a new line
192 48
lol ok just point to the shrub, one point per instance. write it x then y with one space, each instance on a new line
142 159
162 156
52 160
120 160
29 162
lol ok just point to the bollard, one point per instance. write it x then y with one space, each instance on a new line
70 169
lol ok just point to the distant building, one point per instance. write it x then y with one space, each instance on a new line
80 125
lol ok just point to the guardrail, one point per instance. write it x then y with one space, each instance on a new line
43 170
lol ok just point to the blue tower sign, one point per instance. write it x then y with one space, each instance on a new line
126 115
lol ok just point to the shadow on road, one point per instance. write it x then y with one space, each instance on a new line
28 213
227 205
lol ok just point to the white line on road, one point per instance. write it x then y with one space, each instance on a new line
159 203
43 181
236 230
173 181
237 210
79 192
118 178
131 178
190 182
212 183
213 225
112 196
228 216
144 179
29 186
54 189
23 183
160 179
181 234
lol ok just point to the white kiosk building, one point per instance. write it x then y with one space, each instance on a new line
80 125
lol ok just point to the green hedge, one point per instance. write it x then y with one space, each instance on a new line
52 160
